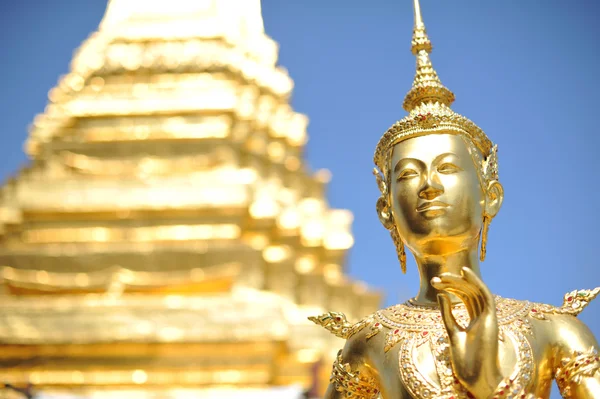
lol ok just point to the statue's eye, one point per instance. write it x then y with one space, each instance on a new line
448 168
407 174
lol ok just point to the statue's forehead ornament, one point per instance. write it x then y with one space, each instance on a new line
428 104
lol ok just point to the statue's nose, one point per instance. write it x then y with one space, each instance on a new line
431 190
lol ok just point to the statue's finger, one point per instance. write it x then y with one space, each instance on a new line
470 304
475 295
444 285
462 289
472 288
473 279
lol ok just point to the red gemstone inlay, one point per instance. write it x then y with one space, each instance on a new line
570 298
396 331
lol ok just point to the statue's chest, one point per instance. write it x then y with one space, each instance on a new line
422 345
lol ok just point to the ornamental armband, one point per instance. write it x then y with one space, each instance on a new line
352 384
573 369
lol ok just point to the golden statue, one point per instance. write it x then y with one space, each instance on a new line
438 176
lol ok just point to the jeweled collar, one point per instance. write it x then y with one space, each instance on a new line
411 317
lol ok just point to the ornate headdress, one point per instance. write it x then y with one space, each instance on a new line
428 104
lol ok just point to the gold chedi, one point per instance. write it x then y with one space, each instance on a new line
168 238
438 176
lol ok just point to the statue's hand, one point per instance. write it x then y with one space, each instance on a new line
474 349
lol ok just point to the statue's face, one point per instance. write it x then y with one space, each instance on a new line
437 199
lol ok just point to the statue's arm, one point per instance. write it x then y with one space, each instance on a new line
352 375
577 363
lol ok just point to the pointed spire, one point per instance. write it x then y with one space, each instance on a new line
427 87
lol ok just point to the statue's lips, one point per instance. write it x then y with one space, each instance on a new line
432 206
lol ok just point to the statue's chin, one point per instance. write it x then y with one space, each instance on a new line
443 245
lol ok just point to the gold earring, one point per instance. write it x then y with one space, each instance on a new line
399 248
484 234
387 220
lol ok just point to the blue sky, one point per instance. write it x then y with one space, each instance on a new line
525 73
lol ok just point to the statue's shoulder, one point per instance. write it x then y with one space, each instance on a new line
352 375
573 303
338 325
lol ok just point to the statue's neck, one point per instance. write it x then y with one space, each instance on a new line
431 266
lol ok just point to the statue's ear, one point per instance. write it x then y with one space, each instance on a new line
494 198
384 214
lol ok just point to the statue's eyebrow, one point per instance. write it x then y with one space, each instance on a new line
442 156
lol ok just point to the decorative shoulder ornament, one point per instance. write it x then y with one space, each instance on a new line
338 325
573 303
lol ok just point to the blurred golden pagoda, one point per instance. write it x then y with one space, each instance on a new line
167 239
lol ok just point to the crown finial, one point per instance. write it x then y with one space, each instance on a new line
427 87
420 39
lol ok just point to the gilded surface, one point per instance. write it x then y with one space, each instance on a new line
573 303
350 383
168 238
437 173
575 368
338 325
417 337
